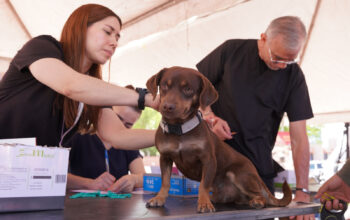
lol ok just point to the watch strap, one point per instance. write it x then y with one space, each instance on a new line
141 101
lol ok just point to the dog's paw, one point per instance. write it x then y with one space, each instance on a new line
205 207
156 202
257 202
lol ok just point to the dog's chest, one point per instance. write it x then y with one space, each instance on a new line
180 146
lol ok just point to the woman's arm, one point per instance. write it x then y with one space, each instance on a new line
111 130
128 182
63 79
80 87
137 168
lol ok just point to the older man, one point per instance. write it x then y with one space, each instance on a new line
258 81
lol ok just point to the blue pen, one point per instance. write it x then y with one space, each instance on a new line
107 160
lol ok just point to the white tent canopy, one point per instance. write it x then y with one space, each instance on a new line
160 33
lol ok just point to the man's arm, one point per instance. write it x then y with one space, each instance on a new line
301 158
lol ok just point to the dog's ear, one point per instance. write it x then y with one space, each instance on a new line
153 83
208 94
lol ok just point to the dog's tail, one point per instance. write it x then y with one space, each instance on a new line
273 201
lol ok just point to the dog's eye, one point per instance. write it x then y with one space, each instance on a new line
188 91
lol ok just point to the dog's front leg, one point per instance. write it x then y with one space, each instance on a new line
208 175
165 168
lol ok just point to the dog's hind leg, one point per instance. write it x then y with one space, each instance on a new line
248 185
224 191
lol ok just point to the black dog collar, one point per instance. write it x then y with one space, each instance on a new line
180 129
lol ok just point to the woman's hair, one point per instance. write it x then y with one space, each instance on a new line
73 39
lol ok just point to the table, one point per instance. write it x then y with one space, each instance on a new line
175 208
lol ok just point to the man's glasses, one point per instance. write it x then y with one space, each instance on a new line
281 61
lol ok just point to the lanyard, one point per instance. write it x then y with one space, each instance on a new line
80 110
107 160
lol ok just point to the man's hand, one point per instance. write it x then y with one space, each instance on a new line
218 126
302 197
125 184
333 204
336 188
103 182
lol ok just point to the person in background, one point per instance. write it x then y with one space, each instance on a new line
337 186
258 81
53 89
91 169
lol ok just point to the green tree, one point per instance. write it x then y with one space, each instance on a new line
314 134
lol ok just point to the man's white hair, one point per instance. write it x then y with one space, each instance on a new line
291 28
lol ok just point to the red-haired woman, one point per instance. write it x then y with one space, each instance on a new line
43 91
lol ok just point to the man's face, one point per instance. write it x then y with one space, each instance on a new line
276 55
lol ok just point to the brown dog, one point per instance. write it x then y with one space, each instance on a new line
185 139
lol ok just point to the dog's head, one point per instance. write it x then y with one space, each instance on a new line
182 92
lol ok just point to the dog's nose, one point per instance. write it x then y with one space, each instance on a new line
168 107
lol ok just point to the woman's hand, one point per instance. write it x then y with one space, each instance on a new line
152 102
103 182
125 184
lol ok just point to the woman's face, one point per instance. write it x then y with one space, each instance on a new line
101 40
127 115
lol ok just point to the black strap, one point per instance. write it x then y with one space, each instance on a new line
141 101
302 189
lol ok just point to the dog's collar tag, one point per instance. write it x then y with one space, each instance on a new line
180 129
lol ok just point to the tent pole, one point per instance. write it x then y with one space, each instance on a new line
18 18
347 140
151 12
311 27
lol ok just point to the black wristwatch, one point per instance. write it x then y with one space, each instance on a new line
302 189
141 101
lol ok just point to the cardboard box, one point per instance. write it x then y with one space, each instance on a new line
179 185
32 177
288 175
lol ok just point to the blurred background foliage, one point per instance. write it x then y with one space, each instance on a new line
149 119
313 132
